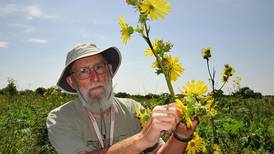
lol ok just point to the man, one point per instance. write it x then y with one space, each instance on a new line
98 122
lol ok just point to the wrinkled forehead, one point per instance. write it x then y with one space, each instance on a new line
88 61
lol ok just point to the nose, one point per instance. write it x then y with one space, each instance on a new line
93 76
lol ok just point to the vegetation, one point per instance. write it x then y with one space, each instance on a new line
23 119
245 125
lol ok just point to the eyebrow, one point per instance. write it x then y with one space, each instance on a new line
102 62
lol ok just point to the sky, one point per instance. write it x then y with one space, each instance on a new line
35 37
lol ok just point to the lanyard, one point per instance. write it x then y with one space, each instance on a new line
96 128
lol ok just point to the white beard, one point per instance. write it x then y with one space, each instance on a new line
97 104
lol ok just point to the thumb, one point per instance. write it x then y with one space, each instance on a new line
195 122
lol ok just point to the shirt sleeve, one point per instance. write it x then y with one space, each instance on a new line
64 137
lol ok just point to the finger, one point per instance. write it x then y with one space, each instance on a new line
175 117
157 126
172 113
176 113
172 104
195 122
176 108
160 108
171 109
166 107
164 118
165 127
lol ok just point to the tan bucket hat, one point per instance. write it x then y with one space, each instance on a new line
112 56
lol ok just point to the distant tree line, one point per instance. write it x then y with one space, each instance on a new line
11 90
246 92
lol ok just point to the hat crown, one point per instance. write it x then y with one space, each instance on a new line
80 50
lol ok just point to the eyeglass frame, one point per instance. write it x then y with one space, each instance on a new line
90 69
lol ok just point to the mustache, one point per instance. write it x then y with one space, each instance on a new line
95 84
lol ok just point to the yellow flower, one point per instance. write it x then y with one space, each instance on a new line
181 105
185 115
217 149
188 121
126 30
195 145
143 117
155 8
206 53
138 113
209 101
228 71
173 67
193 88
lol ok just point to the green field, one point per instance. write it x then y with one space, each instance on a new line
243 125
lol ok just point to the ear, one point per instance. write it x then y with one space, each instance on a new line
70 81
110 69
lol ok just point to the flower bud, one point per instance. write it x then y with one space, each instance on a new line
228 71
206 53
132 2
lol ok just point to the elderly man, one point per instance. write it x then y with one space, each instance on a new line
98 122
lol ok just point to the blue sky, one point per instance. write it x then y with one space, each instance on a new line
36 35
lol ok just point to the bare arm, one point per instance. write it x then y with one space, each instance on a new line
130 145
175 146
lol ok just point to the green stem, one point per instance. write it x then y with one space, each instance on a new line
170 88
211 78
168 81
214 133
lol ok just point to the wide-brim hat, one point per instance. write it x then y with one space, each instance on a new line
112 56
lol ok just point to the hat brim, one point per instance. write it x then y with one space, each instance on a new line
112 56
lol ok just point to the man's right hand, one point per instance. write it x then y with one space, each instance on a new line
164 119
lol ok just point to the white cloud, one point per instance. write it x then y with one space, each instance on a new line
4 44
38 40
33 12
8 8
30 11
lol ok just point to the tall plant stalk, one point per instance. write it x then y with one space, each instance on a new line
168 81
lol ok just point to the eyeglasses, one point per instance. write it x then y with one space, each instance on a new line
84 72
